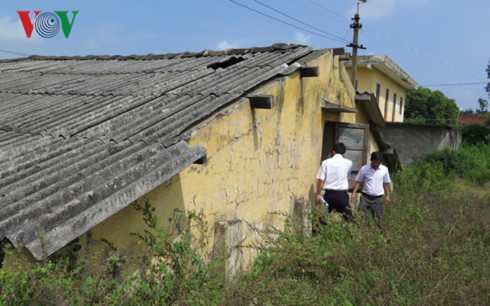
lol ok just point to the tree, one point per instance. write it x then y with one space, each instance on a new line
483 110
487 88
425 105
467 111
483 106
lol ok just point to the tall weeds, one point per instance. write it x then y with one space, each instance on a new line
434 251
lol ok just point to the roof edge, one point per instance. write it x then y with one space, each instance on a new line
275 47
386 64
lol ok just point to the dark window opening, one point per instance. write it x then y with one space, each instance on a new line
401 105
227 63
386 103
378 92
394 108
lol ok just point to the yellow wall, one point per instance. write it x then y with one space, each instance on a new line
367 80
258 163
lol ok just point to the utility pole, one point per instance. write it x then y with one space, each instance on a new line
356 26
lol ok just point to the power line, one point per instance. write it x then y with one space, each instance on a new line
343 40
285 22
304 23
13 52
316 11
404 45
454 84
331 11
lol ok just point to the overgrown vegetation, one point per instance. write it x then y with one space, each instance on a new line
474 134
435 251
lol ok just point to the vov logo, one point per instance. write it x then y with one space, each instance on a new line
47 24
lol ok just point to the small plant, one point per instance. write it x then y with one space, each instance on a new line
435 251
171 271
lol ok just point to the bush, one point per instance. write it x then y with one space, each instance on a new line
172 272
434 251
475 134
469 162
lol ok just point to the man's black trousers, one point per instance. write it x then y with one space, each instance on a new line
339 200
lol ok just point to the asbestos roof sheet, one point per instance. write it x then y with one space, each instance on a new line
83 137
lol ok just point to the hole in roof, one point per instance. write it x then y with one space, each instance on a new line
227 63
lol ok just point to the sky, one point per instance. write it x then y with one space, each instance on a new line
441 44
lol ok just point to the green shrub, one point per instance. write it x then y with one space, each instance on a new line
433 250
171 272
475 133
471 163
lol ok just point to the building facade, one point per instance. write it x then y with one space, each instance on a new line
379 75
235 136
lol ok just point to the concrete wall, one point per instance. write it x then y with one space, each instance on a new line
259 163
413 141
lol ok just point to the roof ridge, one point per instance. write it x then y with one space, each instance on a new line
231 51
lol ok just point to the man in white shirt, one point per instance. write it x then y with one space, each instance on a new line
332 178
375 180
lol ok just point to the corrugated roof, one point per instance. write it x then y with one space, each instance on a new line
83 137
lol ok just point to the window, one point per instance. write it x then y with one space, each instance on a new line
401 105
355 136
394 108
378 92
386 103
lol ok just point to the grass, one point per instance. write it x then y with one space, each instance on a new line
434 252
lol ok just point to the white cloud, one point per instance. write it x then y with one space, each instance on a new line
225 45
301 38
13 39
111 34
92 44
104 37
11 29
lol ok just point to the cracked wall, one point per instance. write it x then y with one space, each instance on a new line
259 163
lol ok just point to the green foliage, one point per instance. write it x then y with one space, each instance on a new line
467 111
426 106
471 163
475 133
487 88
433 250
483 106
433 253
171 272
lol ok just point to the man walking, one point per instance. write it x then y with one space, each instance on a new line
332 178
375 180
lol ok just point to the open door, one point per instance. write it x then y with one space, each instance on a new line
355 136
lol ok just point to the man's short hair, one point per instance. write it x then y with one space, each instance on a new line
339 148
377 156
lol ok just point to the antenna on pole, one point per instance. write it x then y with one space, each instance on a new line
356 26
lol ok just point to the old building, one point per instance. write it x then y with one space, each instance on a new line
237 135
379 75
